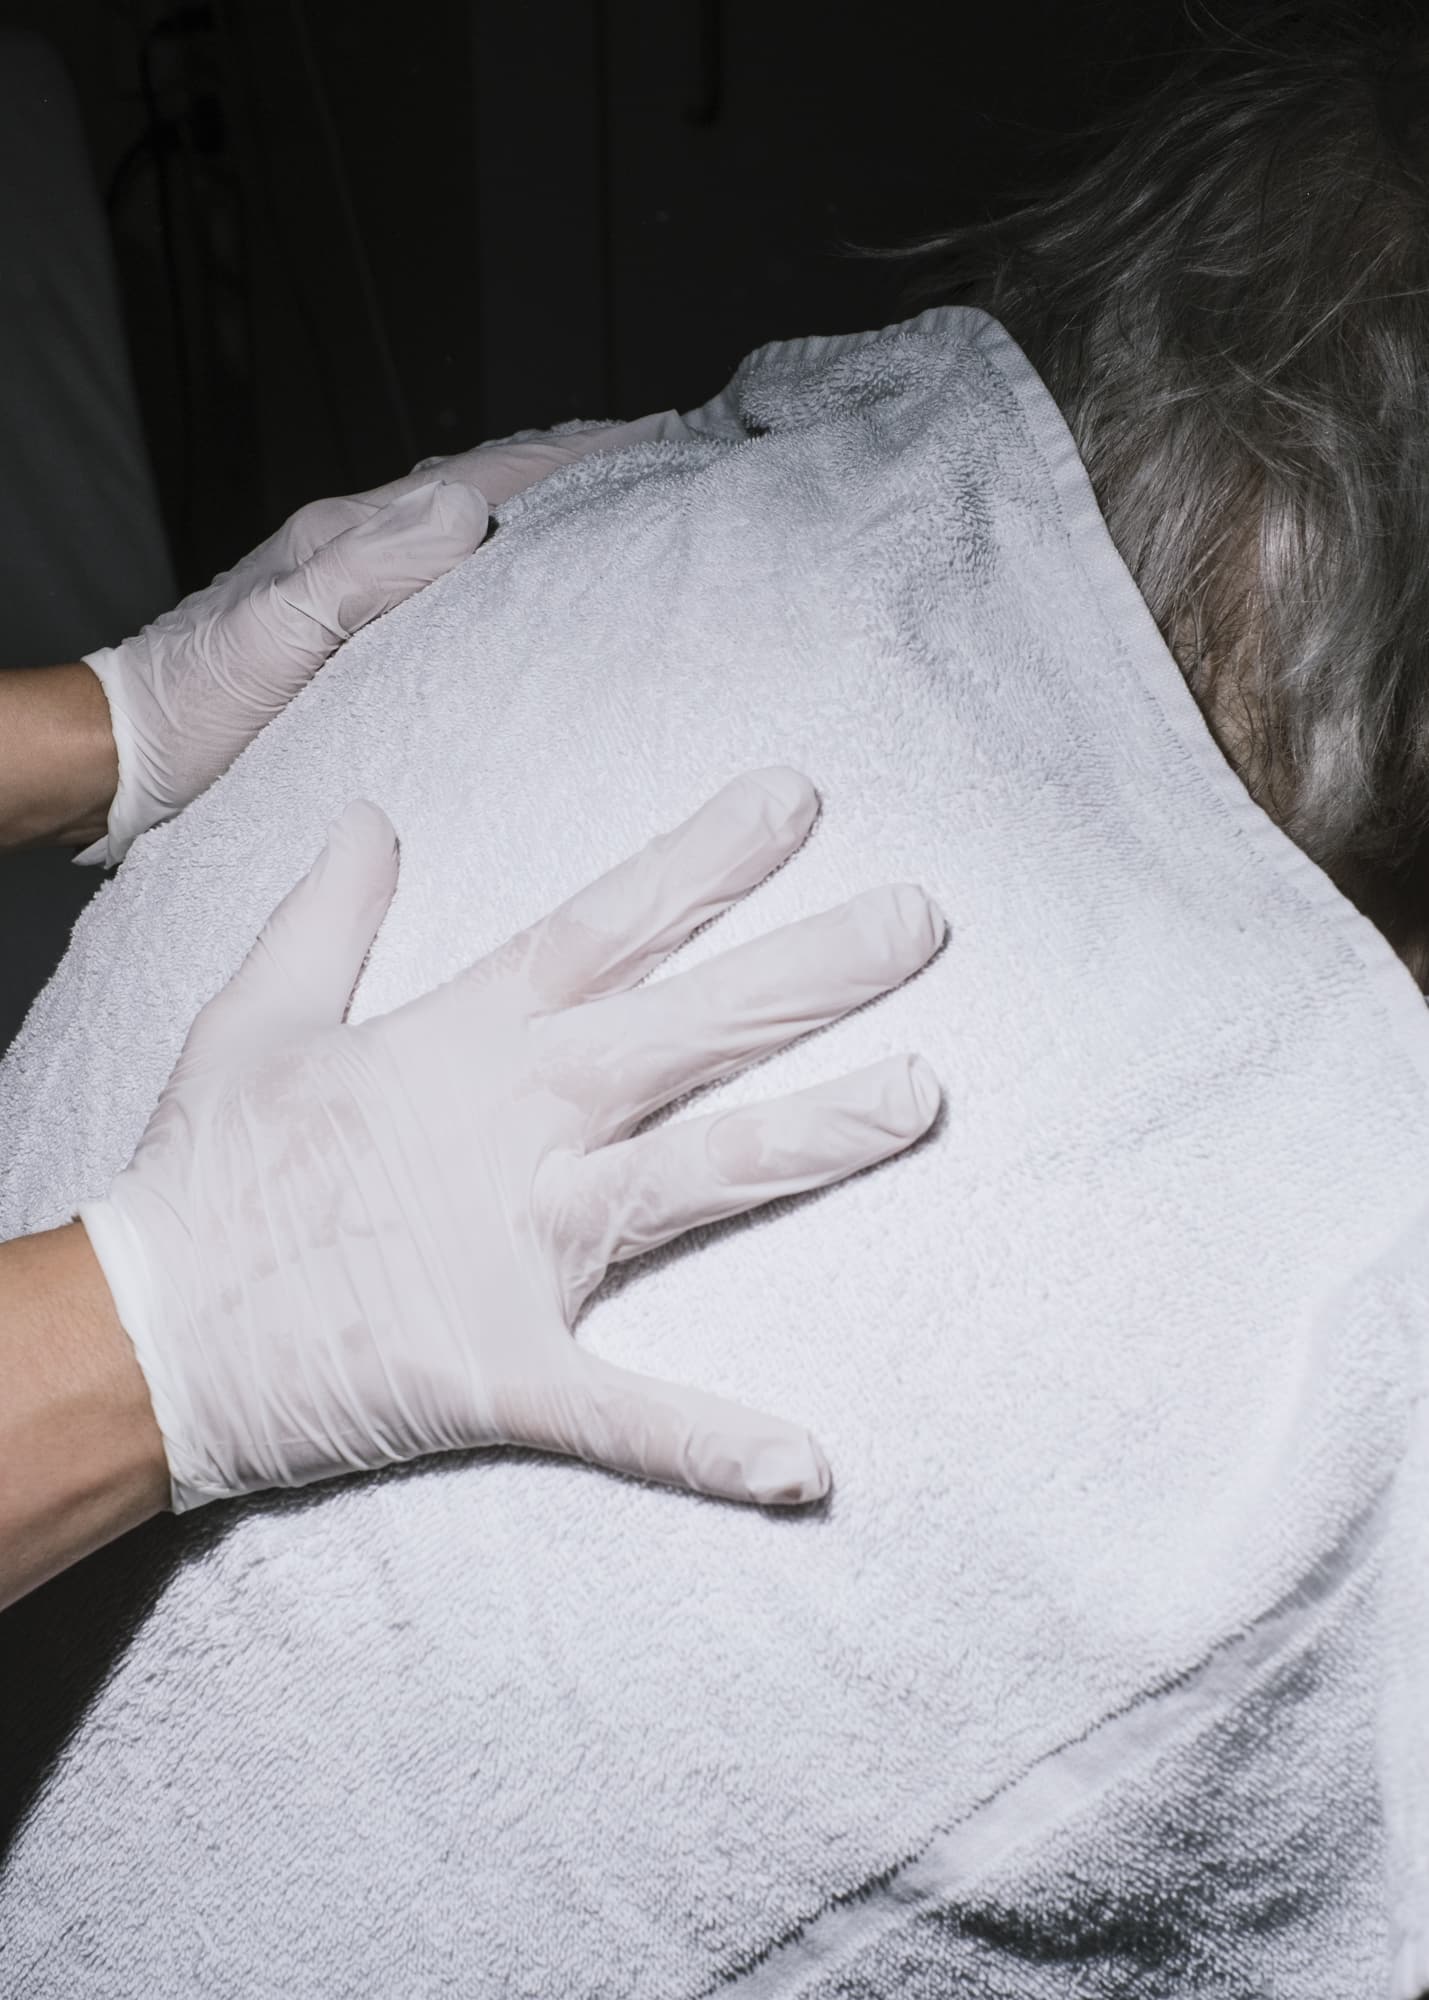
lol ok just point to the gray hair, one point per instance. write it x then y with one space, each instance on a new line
1231 309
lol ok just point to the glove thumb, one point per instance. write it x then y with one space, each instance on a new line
371 567
303 967
682 1436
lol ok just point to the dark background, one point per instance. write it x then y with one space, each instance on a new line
348 236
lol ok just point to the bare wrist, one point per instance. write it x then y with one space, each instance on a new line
81 1455
58 764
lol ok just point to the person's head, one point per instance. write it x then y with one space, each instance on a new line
1231 308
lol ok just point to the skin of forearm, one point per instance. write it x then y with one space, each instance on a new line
58 764
81 1458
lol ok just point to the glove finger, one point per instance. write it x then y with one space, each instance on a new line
493 471
499 471
502 471
374 565
303 966
607 936
664 1040
678 1435
313 527
623 1199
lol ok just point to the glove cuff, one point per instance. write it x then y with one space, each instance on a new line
122 1258
131 812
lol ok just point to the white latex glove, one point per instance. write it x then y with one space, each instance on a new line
190 691
343 1246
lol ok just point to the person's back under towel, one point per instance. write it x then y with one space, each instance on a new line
1098 1664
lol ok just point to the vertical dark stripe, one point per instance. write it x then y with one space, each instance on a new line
606 223
709 102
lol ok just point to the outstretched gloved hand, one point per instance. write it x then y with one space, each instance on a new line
193 689
340 1246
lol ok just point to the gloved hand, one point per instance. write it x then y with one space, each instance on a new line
195 687
343 1246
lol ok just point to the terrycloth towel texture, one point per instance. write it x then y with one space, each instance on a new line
1097 1673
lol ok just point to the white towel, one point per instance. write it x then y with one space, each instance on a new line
1097 1671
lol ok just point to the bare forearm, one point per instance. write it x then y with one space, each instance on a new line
81 1458
58 765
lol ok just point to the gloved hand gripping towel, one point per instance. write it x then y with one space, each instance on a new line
1102 1663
